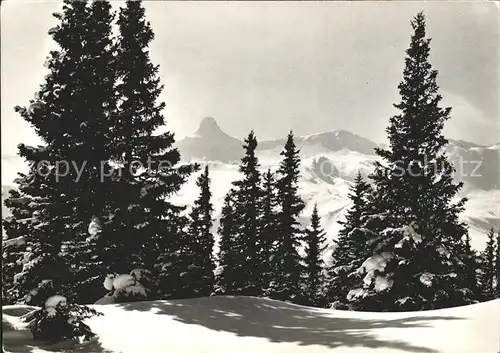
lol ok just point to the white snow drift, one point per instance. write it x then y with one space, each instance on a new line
251 325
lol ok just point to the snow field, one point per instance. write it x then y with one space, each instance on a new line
250 325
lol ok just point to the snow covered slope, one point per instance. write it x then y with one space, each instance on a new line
256 325
327 141
477 166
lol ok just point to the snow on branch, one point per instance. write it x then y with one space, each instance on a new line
15 242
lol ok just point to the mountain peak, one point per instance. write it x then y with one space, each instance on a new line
209 142
208 126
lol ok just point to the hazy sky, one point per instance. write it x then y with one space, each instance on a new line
273 66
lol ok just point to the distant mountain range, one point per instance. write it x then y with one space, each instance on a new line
330 161
478 166
209 142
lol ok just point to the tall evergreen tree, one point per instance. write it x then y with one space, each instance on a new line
267 230
350 246
288 269
69 113
148 170
359 196
89 256
488 268
228 279
248 197
199 245
470 260
415 259
314 274
87 132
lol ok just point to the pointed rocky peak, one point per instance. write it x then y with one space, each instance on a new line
209 122
209 142
209 127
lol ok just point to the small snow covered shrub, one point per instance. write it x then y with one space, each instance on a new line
127 288
59 321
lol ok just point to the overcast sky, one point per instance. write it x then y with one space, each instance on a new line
274 66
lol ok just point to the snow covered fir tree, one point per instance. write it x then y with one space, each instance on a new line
114 209
199 243
314 271
415 240
288 268
350 246
247 195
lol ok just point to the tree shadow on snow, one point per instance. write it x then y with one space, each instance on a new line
282 322
30 346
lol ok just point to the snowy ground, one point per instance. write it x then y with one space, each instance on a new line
255 325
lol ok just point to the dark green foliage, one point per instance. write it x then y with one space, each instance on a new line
288 269
314 274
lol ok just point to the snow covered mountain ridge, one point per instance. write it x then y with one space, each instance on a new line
209 142
330 161
477 165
